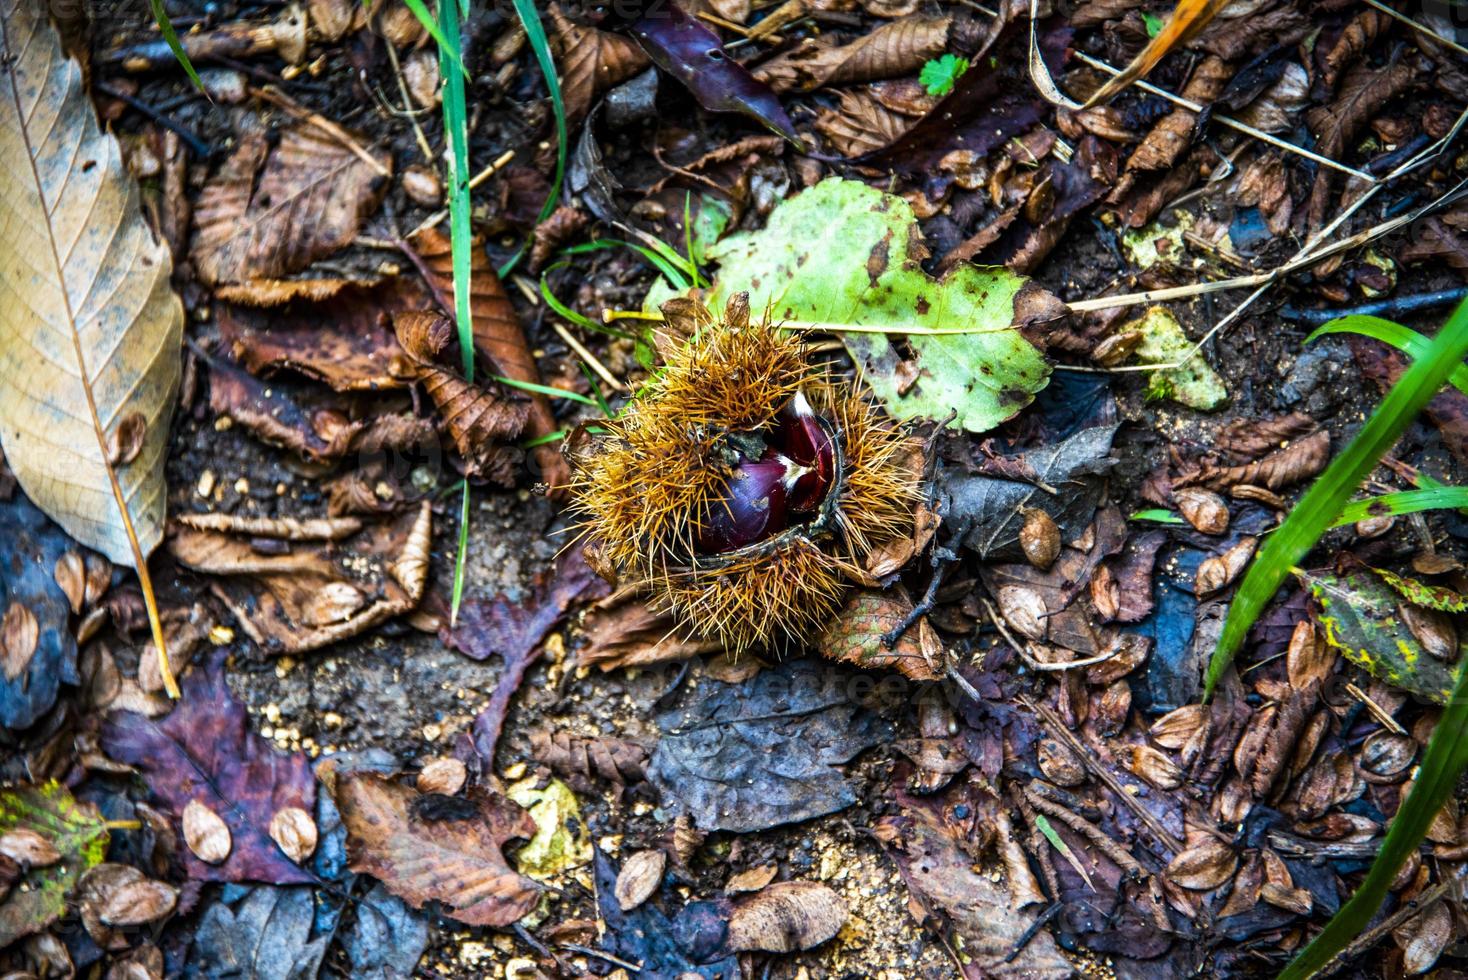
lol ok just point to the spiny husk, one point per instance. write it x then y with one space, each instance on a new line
643 485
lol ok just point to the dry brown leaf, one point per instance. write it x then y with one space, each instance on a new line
479 420
752 879
1186 20
786 917
310 200
90 330
590 62
1298 461
622 630
861 124
283 600
893 49
1173 134
639 878
498 336
1353 42
1364 92
577 759
455 859
27 848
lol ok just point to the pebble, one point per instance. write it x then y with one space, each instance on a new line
206 484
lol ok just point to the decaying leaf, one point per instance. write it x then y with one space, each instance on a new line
38 651
619 762
861 124
1360 617
1298 461
622 630
890 50
1204 866
307 594
213 771
479 420
713 759
856 636
1193 382
591 61
560 841
309 201
451 857
75 830
90 329
844 253
266 934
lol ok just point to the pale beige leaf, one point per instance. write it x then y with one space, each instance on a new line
90 329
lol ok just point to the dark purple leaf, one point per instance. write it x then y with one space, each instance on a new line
32 676
204 750
514 629
991 103
667 950
692 54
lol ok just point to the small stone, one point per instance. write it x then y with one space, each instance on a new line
206 484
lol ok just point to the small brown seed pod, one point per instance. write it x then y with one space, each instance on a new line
1039 538
744 485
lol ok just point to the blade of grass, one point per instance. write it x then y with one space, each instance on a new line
540 45
1158 515
542 440
1057 842
566 313
1327 497
456 132
1404 339
546 390
440 37
1442 763
170 37
672 265
1403 502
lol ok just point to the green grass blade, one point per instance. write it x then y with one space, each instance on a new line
540 45
456 132
1404 339
1403 502
542 440
1327 497
440 37
1442 763
547 390
1158 515
170 36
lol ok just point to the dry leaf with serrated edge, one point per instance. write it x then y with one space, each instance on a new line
639 878
310 200
479 421
455 860
89 339
893 49
591 61
499 336
861 124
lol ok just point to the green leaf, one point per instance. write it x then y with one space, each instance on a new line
845 254
1404 502
1404 339
1193 383
1358 616
561 841
1326 498
1442 762
939 74
1159 515
1419 593
1153 23
75 829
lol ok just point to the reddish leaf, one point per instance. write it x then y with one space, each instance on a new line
422 853
205 750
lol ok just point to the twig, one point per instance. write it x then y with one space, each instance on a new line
397 70
614 960
201 149
1394 307
590 358
1232 123
1376 710
1065 735
1032 930
279 99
